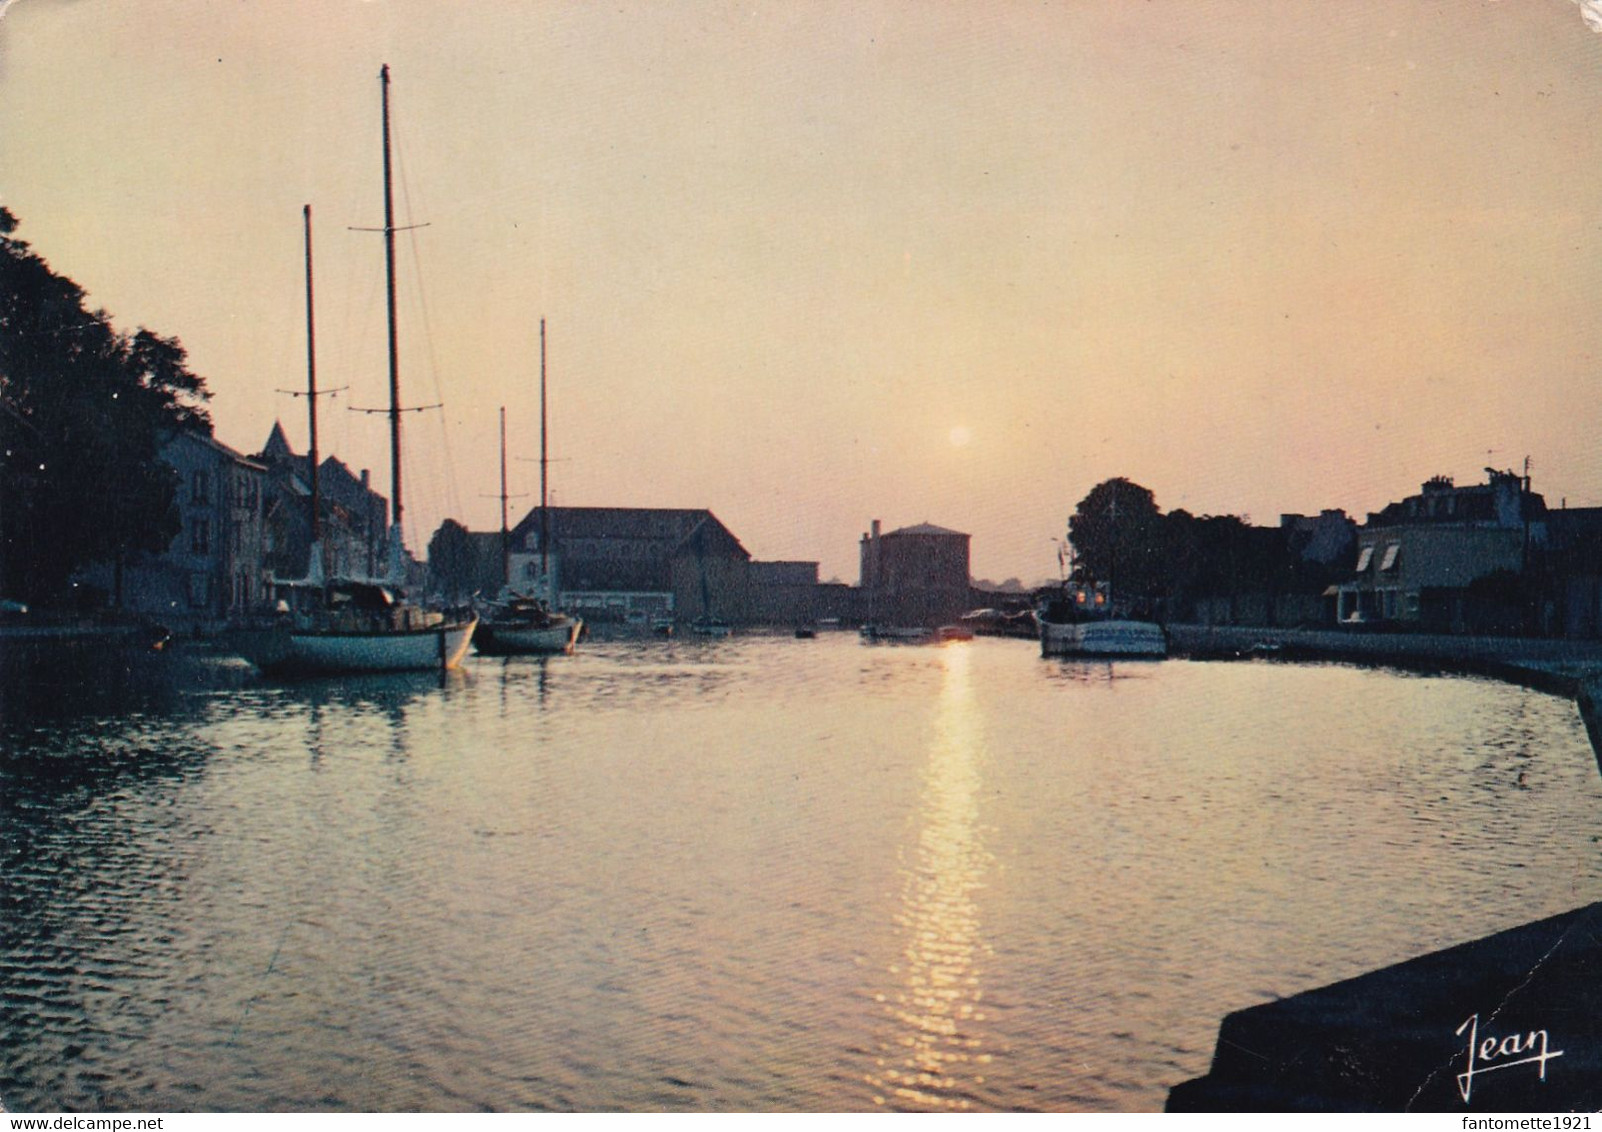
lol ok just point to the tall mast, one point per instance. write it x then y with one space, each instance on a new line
311 385
506 536
545 556
394 354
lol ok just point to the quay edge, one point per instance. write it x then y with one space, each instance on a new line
1393 1040
1399 1039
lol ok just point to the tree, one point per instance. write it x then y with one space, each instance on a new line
84 410
1118 537
452 568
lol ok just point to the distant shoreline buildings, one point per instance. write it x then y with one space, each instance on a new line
1483 558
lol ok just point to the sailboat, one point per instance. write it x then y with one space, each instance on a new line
518 623
347 625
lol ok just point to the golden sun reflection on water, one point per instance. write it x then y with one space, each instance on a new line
935 1057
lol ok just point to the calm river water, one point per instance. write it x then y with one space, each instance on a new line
762 873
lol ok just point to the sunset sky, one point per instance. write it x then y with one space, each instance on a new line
812 264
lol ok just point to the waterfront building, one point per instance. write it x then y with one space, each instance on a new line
618 563
1417 559
645 564
916 575
354 522
214 571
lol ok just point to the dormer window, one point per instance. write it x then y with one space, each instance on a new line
1389 561
1365 558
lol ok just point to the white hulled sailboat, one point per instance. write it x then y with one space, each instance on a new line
347 625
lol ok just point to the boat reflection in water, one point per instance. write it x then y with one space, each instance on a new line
936 1059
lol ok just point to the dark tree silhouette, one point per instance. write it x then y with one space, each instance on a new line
452 566
84 410
1118 537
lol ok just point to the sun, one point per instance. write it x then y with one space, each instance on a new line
960 436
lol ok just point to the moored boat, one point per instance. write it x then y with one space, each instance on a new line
1083 619
897 634
997 623
1111 638
525 625
1068 630
519 624
356 625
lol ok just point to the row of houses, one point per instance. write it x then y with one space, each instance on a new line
1488 558
246 521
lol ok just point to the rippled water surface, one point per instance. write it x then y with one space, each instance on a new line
761 873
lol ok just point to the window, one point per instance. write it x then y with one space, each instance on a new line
198 590
200 536
1365 558
1389 561
200 487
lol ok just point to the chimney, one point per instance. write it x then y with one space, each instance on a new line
364 480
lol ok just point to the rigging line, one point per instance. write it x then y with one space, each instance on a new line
451 495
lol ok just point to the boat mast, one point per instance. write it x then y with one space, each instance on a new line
506 537
545 556
394 353
311 386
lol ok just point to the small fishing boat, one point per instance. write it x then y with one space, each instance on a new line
1073 626
1114 637
897 634
997 623
1083 620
